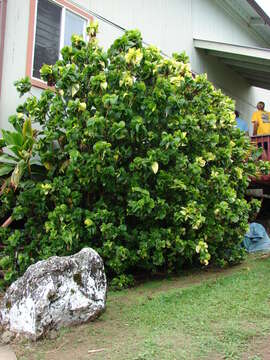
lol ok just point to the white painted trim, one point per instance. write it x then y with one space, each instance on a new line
71 10
37 79
258 53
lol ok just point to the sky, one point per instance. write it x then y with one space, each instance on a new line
265 5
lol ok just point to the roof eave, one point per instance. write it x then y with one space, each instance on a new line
259 11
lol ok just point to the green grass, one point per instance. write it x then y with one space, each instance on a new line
218 318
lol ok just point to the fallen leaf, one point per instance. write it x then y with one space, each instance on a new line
95 351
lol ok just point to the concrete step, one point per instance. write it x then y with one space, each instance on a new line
6 353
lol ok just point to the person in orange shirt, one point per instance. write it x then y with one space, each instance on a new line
261 120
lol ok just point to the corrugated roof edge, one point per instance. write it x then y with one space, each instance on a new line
259 11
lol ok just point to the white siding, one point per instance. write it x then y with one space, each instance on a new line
164 23
212 22
14 63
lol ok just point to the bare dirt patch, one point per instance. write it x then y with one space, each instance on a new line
259 349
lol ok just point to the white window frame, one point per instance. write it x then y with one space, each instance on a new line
62 31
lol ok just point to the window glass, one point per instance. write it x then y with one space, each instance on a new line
74 24
47 38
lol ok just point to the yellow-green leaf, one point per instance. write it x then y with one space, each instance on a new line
27 128
155 167
75 88
17 174
64 165
82 106
88 222
47 165
104 85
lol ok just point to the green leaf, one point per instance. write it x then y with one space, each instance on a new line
35 162
7 158
28 144
2 143
12 138
23 86
46 70
5 169
15 149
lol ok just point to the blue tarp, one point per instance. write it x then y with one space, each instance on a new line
256 239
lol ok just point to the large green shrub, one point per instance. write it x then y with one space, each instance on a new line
143 163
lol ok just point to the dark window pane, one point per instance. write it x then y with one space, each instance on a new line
47 35
74 24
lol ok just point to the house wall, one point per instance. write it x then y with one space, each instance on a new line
164 23
220 26
169 24
14 61
15 54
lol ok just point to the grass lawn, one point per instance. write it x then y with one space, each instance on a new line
202 315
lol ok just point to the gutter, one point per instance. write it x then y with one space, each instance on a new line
3 13
259 11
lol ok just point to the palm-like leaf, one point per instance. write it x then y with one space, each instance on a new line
13 138
5 169
19 144
7 158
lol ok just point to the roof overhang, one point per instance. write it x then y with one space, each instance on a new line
251 15
251 63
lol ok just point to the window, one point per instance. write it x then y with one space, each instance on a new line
47 39
51 25
73 25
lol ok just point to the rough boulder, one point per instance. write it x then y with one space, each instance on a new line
60 291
